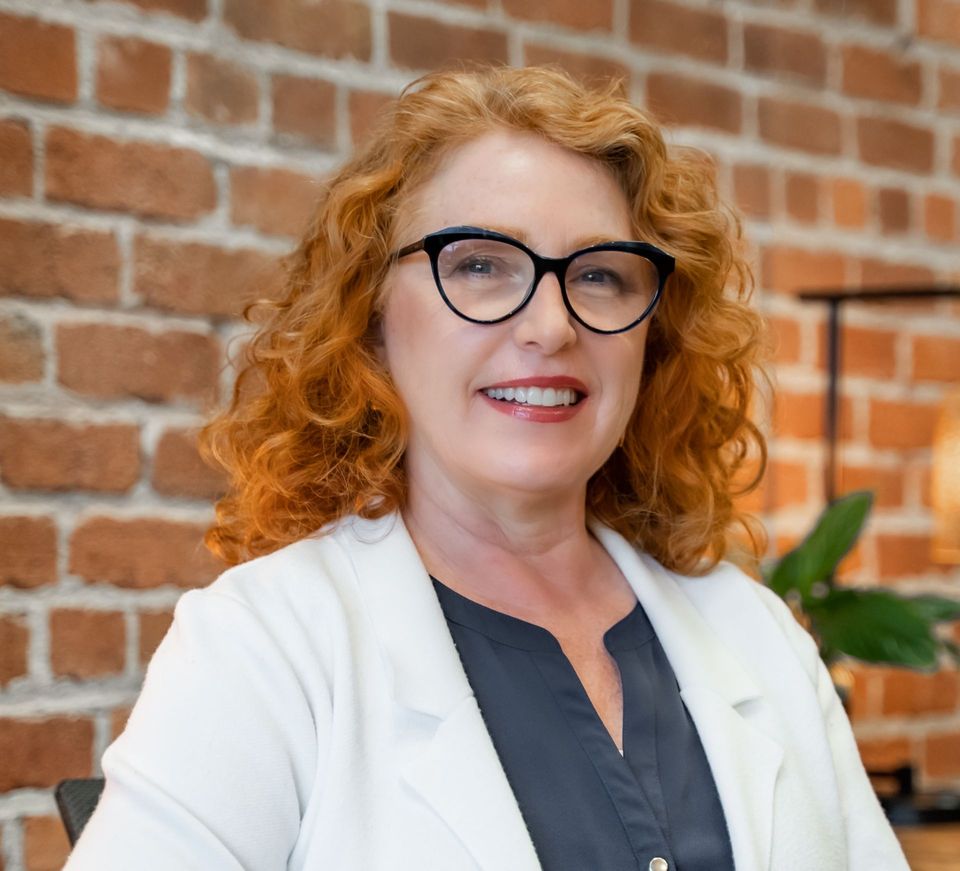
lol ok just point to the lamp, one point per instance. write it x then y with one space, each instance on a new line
946 482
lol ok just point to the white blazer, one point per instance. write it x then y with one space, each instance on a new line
309 711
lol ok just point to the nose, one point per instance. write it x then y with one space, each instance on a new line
544 322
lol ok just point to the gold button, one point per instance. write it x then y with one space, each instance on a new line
658 864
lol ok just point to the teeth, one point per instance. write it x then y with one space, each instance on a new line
547 397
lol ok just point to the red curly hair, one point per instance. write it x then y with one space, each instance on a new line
315 430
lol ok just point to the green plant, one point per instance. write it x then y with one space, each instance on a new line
873 625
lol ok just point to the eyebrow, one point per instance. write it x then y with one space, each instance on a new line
521 236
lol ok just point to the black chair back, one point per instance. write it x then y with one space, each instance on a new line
77 800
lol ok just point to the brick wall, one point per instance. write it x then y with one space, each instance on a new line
157 155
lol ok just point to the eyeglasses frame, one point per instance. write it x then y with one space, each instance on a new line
434 243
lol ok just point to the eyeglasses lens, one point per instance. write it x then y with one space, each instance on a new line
485 280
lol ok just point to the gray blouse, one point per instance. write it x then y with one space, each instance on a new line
588 808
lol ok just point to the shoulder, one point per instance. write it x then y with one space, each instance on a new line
311 575
748 615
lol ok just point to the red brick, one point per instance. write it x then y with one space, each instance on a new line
800 126
194 10
274 201
21 350
14 638
305 109
16 158
902 425
140 553
133 75
668 27
875 11
949 89
365 110
849 203
86 644
785 339
42 752
861 701
878 75
29 548
45 844
586 67
884 754
422 43
56 455
112 362
901 556
751 189
936 358
907 693
868 352
788 483
193 278
940 217
798 415
893 206
679 99
38 59
596 15
118 721
886 483
153 626
794 269
220 91
139 177
803 196
178 469
788 54
942 755
881 273
334 28
886 142
939 19
49 260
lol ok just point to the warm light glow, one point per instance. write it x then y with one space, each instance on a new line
946 483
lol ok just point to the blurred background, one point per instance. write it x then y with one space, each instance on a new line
158 156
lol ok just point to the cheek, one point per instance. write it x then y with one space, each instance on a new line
397 327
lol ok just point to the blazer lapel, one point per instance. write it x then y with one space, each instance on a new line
722 698
455 768
745 763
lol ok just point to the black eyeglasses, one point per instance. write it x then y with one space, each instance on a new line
486 277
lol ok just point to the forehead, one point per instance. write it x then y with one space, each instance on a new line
519 179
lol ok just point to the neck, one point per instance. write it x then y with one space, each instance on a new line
520 550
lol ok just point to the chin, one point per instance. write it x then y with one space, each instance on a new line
548 475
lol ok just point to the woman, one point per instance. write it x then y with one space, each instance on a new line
483 452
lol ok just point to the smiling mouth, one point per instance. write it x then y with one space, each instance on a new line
547 397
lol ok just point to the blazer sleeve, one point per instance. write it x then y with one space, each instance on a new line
218 757
871 842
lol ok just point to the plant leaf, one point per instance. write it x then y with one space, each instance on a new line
816 558
937 609
875 626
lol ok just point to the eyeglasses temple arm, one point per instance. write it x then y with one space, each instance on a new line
409 249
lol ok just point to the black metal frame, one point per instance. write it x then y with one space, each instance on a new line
835 299
434 243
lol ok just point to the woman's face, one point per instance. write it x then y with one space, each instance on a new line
555 201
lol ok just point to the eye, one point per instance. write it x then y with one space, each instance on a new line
596 280
599 276
479 266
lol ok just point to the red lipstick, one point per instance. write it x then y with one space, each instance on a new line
539 413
